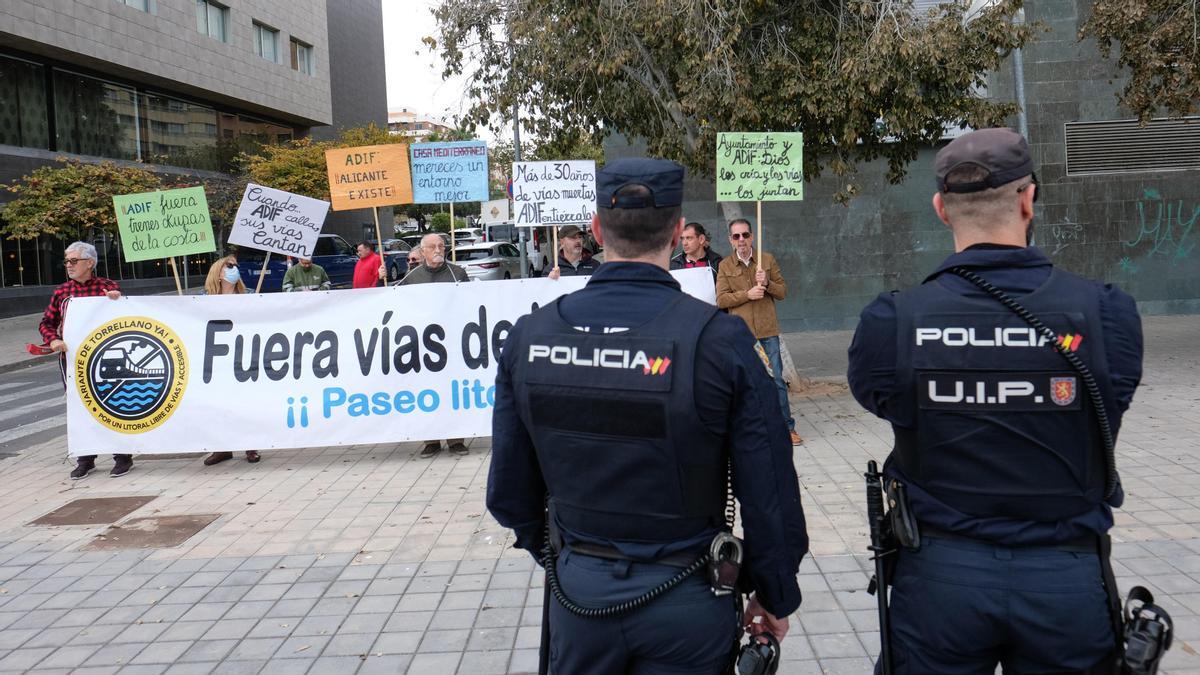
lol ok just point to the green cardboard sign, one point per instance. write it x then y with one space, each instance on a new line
760 167
162 224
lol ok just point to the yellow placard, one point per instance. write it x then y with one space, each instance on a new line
369 176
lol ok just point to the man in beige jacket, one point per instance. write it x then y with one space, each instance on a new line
749 288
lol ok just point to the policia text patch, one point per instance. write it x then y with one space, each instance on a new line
1009 392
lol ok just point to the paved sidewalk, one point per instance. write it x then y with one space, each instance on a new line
367 559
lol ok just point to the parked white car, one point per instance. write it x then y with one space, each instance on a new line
491 261
469 235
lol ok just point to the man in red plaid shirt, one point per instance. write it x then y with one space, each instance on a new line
81 262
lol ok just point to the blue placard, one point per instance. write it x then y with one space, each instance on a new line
449 172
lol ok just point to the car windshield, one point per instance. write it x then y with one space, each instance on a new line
474 254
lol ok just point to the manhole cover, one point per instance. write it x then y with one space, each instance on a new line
94 511
153 532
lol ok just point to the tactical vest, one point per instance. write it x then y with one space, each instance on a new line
1003 426
613 418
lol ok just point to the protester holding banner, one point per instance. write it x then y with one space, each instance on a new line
369 269
627 402
80 260
435 270
696 250
224 277
305 276
571 260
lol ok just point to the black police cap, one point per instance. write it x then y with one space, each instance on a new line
662 178
1002 153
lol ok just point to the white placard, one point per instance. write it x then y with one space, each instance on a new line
554 193
495 211
167 374
277 221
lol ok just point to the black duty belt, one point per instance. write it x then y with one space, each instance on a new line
1081 544
609 553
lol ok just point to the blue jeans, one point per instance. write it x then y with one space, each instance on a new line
961 608
771 347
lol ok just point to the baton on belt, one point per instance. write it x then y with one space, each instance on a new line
879 583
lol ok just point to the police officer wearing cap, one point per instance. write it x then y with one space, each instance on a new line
997 442
626 403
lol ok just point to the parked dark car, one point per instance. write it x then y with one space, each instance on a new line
395 256
331 252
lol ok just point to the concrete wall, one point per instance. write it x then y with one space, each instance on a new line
1138 230
163 47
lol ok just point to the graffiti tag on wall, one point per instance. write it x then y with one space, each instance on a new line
1165 228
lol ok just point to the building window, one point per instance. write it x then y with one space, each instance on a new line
211 19
143 5
266 42
23 116
302 59
180 133
93 117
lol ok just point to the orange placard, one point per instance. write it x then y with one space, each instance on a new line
369 176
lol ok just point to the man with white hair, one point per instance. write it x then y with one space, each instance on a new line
436 269
80 259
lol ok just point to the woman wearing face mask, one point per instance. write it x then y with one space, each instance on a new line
224 278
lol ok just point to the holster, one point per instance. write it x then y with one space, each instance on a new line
901 522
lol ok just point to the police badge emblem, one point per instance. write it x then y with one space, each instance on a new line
1062 390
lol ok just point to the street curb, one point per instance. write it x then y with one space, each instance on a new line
22 365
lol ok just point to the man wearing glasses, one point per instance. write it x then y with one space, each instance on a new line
749 288
81 283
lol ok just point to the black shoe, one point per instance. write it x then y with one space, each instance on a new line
431 448
121 466
458 448
82 468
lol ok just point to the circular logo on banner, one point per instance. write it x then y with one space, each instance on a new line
131 373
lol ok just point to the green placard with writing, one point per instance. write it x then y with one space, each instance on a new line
760 167
162 224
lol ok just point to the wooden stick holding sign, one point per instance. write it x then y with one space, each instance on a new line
554 250
262 273
175 273
758 221
453 241
760 167
379 238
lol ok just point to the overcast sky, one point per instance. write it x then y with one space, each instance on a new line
414 73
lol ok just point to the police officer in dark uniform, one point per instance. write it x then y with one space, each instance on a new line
996 440
626 403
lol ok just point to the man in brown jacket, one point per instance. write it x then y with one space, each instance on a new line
749 288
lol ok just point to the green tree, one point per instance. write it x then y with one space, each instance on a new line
1159 46
71 200
299 166
863 79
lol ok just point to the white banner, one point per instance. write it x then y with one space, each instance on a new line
277 221
168 374
554 193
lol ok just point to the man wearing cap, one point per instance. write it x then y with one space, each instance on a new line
630 441
571 261
996 437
